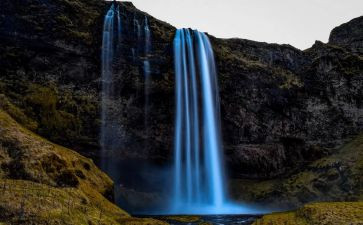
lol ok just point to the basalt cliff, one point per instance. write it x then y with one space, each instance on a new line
291 119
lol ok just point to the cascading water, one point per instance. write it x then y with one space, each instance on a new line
107 61
199 185
137 33
111 129
147 36
198 172
199 180
146 74
119 28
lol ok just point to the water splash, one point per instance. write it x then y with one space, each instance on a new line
199 180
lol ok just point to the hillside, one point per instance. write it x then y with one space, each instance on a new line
44 183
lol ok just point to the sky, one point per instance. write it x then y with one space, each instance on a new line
295 22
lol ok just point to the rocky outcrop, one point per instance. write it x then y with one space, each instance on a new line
336 177
334 213
50 64
349 35
281 107
52 61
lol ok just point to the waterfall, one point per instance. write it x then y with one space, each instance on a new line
199 183
198 175
119 27
147 49
147 36
198 170
137 33
137 27
107 61
110 140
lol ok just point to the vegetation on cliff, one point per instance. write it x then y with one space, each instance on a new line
333 213
285 112
337 177
48 50
44 183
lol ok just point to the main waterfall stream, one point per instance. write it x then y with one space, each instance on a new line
198 171
199 177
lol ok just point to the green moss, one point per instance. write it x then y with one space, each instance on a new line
284 79
49 167
64 20
286 218
59 186
78 19
40 203
84 36
140 221
43 97
318 214
17 113
53 123
288 78
184 219
326 179
63 115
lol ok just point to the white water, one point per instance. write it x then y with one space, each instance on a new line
198 177
198 170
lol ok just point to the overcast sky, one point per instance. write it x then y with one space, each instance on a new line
295 22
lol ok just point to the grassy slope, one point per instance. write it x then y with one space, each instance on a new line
334 213
43 183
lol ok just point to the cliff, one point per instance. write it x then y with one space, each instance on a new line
282 108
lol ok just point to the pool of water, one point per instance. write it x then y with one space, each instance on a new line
207 219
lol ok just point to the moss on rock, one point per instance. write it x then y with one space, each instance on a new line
332 178
333 213
44 183
184 219
17 113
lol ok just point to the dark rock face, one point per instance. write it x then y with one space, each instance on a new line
349 35
281 107
50 66
336 177
153 142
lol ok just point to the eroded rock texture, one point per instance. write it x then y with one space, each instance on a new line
281 107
